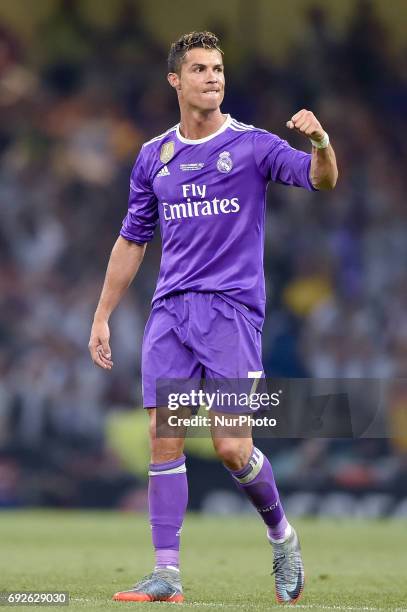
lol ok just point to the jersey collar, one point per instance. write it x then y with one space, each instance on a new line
191 141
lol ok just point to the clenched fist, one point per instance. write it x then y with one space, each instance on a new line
305 122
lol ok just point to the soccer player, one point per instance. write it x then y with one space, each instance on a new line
204 181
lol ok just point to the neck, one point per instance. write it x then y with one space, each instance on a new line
196 124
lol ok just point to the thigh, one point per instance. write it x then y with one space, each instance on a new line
164 356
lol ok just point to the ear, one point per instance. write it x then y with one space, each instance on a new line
174 80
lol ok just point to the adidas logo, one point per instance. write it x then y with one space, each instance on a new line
164 172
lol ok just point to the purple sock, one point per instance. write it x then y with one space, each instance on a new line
167 502
256 480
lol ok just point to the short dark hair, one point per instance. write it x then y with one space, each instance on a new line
205 40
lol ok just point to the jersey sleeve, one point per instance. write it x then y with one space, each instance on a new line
142 215
281 163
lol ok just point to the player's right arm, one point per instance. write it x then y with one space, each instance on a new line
123 265
127 254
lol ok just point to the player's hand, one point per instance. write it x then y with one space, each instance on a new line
99 345
305 122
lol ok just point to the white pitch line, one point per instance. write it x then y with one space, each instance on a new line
349 608
247 606
211 605
207 604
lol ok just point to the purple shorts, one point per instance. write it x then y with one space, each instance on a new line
196 335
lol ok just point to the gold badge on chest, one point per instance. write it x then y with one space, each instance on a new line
167 151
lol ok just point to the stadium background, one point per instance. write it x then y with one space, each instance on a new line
82 85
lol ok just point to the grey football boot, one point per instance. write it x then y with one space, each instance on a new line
288 569
163 584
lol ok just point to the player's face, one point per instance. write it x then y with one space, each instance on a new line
201 84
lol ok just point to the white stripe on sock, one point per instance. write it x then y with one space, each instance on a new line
257 463
177 470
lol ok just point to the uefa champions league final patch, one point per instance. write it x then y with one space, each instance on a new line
167 151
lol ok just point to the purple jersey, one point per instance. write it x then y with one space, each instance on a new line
209 196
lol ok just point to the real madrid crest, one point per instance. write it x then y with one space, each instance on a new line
224 163
167 151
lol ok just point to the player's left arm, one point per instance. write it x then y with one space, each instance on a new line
324 171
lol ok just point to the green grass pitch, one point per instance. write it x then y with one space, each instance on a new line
226 562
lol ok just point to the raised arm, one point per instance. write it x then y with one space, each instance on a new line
324 171
124 262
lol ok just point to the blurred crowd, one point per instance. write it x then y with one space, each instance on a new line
76 105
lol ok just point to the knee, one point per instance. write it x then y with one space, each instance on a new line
234 453
163 449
